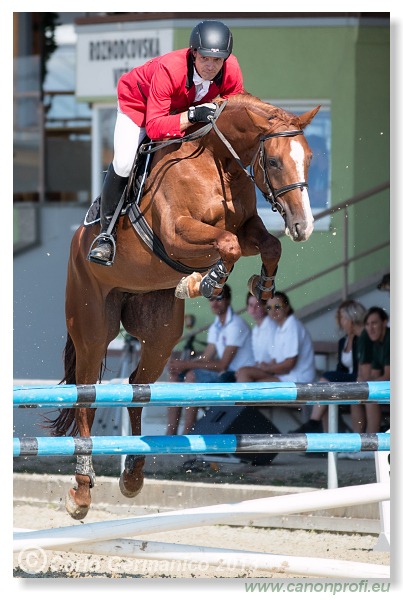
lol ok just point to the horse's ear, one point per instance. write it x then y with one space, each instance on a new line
307 117
259 121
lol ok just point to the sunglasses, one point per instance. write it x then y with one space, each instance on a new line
276 306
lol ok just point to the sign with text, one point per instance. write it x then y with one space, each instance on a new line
103 56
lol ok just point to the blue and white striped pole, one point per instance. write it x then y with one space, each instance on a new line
193 394
201 444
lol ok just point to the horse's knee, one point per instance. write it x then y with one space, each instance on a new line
229 247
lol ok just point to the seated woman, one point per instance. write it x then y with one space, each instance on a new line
292 348
350 319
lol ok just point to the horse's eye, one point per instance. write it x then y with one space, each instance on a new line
273 163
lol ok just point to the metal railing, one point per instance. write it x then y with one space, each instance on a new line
347 260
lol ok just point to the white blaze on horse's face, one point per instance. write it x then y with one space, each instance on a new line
305 227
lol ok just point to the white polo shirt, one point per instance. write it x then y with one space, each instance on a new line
234 332
292 339
263 340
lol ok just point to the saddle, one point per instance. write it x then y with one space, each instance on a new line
134 190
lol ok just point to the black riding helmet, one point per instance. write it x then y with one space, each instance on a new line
211 38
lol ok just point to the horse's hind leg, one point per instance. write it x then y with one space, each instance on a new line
78 499
132 478
156 319
91 331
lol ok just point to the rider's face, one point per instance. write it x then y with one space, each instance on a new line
207 66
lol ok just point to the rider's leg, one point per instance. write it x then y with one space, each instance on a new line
112 191
127 138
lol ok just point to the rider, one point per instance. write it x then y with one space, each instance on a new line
162 98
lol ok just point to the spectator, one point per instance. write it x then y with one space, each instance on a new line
384 284
229 347
374 365
350 319
263 331
293 349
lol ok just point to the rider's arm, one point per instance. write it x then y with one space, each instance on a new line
184 121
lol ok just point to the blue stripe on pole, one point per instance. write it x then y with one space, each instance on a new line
334 442
16 447
383 442
379 390
193 444
173 394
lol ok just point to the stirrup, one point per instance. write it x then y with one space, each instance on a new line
106 238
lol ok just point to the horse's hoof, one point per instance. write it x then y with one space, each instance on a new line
133 492
132 479
252 283
182 289
75 511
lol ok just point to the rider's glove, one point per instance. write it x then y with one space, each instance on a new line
201 113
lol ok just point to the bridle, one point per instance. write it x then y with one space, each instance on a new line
271 193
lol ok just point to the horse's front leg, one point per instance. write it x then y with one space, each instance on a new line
255 239
196 239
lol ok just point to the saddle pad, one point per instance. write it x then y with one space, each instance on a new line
93 214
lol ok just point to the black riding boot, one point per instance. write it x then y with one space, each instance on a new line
104 252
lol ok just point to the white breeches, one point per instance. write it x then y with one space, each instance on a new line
127 138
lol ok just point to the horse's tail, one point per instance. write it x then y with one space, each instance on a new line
69 359
65 423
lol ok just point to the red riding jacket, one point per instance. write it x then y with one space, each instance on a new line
154 94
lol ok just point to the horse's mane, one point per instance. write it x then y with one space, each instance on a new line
271 112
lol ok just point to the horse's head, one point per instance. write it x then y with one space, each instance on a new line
281 167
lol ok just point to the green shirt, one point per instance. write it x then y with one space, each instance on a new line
376 353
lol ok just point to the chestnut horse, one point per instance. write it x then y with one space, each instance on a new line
200 202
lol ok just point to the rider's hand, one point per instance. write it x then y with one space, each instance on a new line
200 113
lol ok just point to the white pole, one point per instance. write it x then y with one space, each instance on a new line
96 154
382 465
192 557
333 425
219 514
